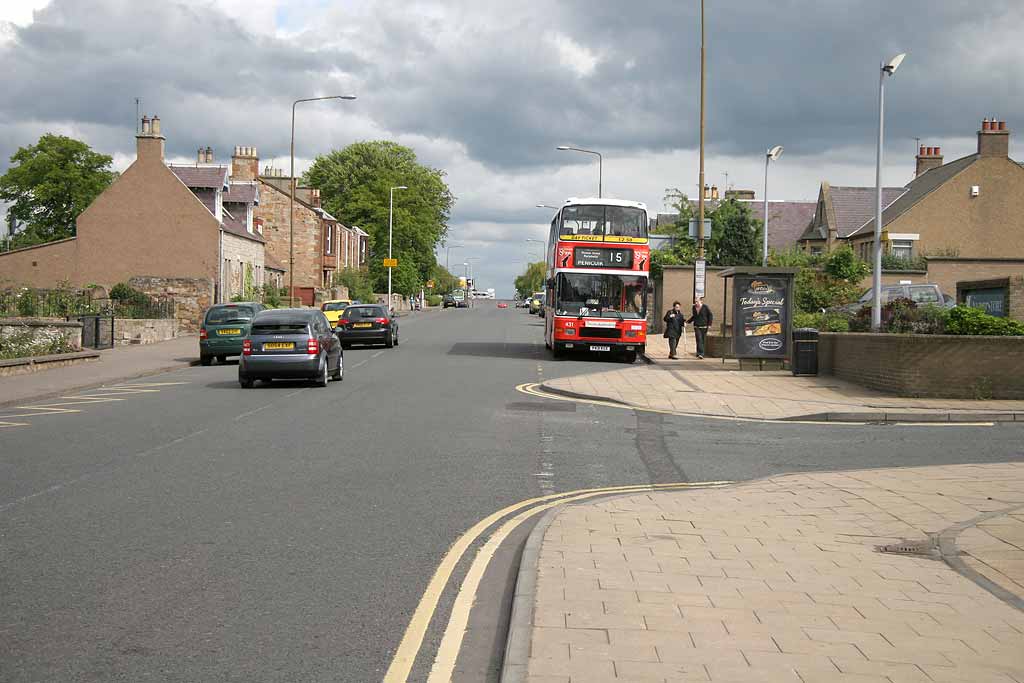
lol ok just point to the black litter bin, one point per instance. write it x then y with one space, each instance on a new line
805 351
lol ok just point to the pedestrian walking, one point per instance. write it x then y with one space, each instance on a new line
674 327
701 320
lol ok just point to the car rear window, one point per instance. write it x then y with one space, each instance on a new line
229 314
924 295
364 312
281 327
335 306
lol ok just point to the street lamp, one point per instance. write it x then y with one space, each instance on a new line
547 206
291 201
391 225
448 255
600 162
773 154
887 69
545 247
700 186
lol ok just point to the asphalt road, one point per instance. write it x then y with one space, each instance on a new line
194 531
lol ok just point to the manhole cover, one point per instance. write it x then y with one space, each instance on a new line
926 548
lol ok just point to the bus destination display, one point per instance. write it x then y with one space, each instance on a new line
590 257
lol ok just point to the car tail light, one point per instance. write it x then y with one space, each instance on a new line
313 346
246 347
382 321
203 334
343 321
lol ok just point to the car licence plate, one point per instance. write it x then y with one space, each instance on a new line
363 325
232 331
600 348
269 346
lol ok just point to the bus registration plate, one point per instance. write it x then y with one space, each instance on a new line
600 348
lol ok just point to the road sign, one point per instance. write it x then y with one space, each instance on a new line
390 263
699 276
707 228
430 284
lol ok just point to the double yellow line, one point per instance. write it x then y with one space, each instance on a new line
451 642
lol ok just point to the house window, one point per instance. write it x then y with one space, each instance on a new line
903 249
816 251
329 232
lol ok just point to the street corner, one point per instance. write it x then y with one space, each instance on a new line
788 576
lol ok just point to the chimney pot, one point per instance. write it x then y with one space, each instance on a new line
209 155
1002 125
145 124
921 152
938 151
984 124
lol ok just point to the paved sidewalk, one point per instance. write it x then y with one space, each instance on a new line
781 580
713 388
114 365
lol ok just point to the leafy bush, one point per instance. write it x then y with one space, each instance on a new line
358 282
126 294
24 343
27 305
904 316
974 321
823 322
843 264
271 296
434 299
890 262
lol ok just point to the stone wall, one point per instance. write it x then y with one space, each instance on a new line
144 331
239 254
273 209
44 329
192 296
25 366
928 366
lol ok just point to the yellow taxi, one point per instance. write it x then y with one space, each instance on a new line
332 310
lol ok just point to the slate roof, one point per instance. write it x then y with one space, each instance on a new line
237 227
242 193
787 220
272 263
855 205
207 177
917 190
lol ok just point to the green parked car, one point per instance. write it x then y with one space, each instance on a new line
224 328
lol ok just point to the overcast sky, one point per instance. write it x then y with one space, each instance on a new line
487 90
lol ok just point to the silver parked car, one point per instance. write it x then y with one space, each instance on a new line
922 295
290 343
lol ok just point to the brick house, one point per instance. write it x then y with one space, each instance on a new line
322 244
152 228
841 211
233 203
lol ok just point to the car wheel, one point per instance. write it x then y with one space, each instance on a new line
222 359
339 374
246 382
389 342
322 379
205 361
629 357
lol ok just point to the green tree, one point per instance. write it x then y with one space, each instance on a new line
678 200
356 281
532 280
354 185
49 184
735 235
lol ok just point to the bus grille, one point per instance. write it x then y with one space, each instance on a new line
600 332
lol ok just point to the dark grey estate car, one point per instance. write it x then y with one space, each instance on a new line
367 324
290 343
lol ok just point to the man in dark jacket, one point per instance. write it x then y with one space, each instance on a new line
674 327
701 320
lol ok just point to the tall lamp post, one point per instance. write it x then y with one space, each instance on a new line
469 292
773 154
700 186
887 69
541 242
600 162
291 201
391 226
448 255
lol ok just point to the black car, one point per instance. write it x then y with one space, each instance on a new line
449 301
367 324
290 343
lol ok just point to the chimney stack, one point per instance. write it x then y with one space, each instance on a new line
993 139
707 192
245 164
927 159
714 192
314 197
209 154
149 144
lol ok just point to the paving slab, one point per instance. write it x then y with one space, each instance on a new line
780 579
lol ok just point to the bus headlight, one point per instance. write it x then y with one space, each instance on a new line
632 333
569 332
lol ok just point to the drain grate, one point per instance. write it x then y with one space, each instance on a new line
928 548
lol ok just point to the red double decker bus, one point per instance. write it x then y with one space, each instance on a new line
598 271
